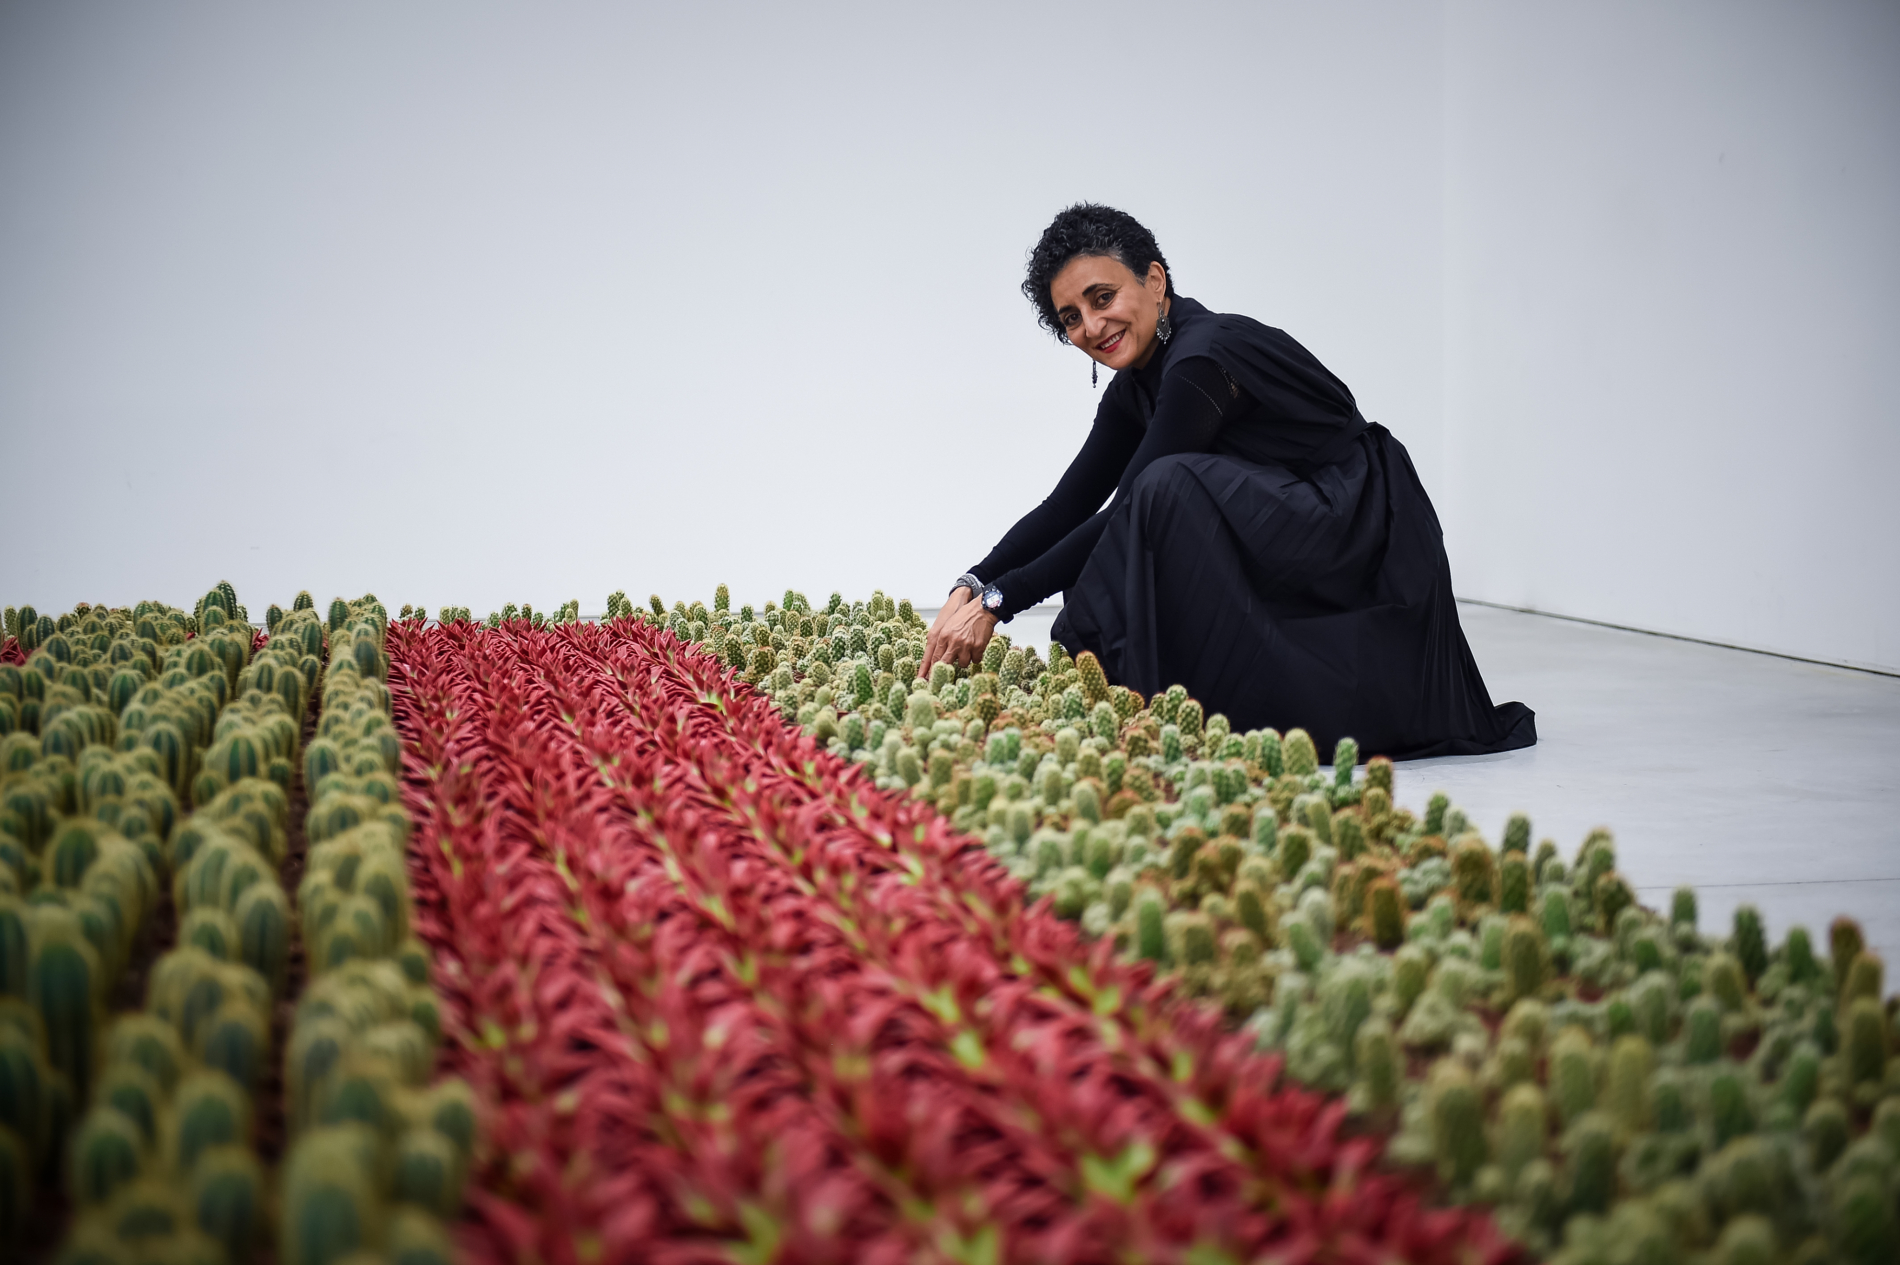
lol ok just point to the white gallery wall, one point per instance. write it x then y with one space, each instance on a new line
1672 317
479 303
476 303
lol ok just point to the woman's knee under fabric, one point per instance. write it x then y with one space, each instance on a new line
1168 491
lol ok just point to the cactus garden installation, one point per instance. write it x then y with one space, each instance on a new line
696 934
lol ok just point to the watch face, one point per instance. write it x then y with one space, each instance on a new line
992 599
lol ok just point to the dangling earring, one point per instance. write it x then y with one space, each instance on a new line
1093 366
1164 330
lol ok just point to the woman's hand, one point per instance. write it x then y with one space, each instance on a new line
960 632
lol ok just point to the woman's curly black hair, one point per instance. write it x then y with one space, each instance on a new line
1087 228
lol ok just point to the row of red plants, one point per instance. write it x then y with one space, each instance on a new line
726 1001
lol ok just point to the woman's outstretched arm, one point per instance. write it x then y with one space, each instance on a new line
1195 399
958 635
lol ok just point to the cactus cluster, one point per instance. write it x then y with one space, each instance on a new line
88 807
1600 1074
379 1154
115 719
159 1159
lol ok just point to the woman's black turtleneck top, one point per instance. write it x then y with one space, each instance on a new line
1185 403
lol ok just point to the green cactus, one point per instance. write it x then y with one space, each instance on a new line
262 922
1556 915
1722 977
209 928
1749 944
1798 954
1521 1126
62 983
1573 1074
449 1109
330 1208
428 1173
1590 1162
134 1093
416 1238
1150 931
1298 754
1864 1225
1385 911
1826 1130
1525 958
106 1153
1379 1065
26 1091
1514 884
226 1199
149 1043
1703 1026
235 1040
1295 850
1729 1106
1456 1112
1345 756
1801 1079
1845 943
15 951
1864 1048
1611 894
1863 978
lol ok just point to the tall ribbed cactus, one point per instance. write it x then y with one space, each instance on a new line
62 983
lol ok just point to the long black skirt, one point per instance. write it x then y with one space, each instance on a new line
1321 601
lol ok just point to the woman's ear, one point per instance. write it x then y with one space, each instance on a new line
1157 278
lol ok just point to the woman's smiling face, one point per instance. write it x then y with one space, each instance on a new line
1108 311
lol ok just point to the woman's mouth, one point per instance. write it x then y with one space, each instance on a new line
1108 345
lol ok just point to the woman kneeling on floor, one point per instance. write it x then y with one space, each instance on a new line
1262 543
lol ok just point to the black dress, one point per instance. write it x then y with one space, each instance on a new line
1265 546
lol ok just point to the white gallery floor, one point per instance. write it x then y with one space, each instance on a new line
1749 777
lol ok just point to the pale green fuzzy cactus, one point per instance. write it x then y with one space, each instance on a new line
1345 756
1514 883
1703 1028
1722 977
1456 1109
1572 1074
1298 754
1379 1066
1522 1118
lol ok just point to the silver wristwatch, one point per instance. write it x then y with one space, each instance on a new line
992 598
